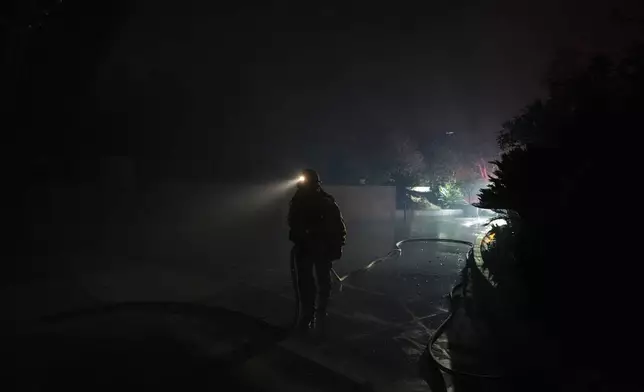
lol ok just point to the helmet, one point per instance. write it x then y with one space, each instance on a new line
309 178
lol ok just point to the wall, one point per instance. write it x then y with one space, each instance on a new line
370 215
211 229
401 214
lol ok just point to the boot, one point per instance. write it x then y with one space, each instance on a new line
320 324
306 322
321 320
320 313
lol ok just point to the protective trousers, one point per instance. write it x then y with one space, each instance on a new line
312 274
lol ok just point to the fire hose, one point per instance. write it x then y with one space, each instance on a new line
439 332
394 254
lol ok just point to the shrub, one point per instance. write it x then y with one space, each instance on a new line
450 195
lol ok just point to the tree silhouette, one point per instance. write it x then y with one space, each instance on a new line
471 177
560 154
563 137
401 162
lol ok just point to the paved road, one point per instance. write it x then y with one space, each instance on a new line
379 324
382 319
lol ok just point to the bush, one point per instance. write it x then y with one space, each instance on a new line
556 155
450 195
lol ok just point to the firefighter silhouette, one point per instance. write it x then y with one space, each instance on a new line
318 233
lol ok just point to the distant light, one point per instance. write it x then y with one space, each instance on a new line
301 179
449 133
469 222
420 189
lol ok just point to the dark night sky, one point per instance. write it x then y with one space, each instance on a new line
283 86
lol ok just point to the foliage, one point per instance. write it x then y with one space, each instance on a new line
409 164
517 184
555 148
472 178
396 160
498 255
606 96
557 155
449 194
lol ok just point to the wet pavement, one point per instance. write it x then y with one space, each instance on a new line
380 321
379 324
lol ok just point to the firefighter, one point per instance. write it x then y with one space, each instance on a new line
318 234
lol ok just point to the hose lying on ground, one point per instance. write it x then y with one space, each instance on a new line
439 332
395 253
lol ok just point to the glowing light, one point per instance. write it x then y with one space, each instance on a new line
469 222
499 222
301 179
489 238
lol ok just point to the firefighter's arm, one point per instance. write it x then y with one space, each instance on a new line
340 229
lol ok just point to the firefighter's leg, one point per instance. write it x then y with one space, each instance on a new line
306 287
323 275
